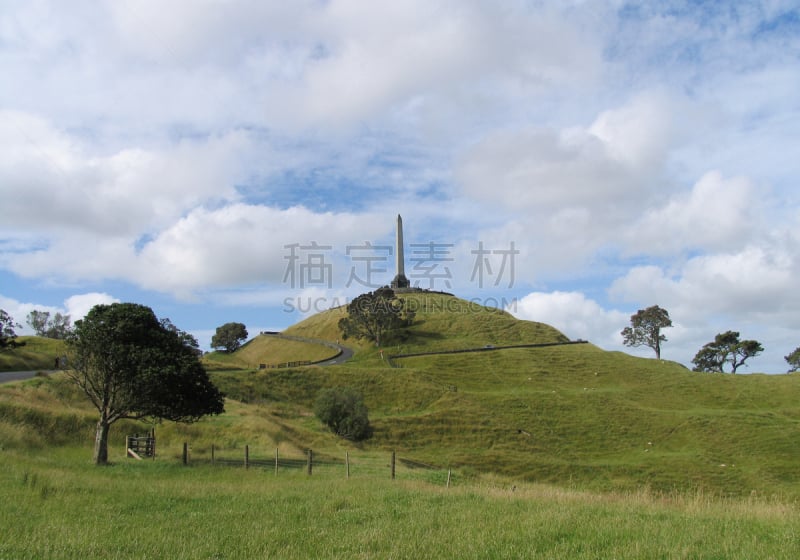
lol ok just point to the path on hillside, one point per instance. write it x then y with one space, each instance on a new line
487 348
343 352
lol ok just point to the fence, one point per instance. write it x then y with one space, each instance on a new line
362 465
137 446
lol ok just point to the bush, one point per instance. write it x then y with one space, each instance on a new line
343 410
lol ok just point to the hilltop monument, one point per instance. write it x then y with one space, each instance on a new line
400 281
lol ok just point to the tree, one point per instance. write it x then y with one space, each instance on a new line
343 410
41 323
58 327
38 321
793 359
645 329
8 336
229 337
374 314
131 365
726 349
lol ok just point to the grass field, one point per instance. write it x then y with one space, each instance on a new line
56 505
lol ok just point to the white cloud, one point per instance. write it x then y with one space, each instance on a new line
76 306
49 182
717 214
79 305
574 315
755 283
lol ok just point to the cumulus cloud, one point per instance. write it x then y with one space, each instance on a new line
48 180
76 306
716 214
575 315
756 282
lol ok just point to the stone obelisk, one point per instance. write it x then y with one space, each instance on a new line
400 280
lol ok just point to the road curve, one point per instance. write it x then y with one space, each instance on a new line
343 352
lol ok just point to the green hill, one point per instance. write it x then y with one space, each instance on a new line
37 353
567 414
571 414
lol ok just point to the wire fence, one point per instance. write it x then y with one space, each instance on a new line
348 464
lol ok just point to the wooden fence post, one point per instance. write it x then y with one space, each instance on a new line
276 460
247 456
347 462
185 453
212 453
394 458
310 460
448 478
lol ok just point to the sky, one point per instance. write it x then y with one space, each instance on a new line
569 161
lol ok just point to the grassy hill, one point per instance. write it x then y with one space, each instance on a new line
571 414
568 415
38 353
267 350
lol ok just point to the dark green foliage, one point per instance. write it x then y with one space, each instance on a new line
726 348
793 360
343 410
229 337
375 314
8 335
131 365
645 329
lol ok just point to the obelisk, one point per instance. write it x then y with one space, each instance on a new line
400 280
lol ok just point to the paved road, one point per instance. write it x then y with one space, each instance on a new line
6 376
344 354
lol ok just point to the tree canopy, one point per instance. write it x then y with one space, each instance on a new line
645 329
8 334
43 325
374 314
229 337
344 412
793 360
726 348
131 365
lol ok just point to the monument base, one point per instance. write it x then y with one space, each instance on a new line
400 282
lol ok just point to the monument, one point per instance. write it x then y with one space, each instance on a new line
400 281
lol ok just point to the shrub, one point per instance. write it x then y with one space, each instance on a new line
343 410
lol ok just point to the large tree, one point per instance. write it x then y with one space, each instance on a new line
131 365
229 337
374 314
645 329
726 348
8 334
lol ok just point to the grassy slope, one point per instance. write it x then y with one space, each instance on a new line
38 353
268 350
565 414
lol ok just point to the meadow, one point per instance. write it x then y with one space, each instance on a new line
57 505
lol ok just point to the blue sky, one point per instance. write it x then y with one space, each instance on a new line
631 154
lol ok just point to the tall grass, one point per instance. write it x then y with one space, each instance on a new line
56 505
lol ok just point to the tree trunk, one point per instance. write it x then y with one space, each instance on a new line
101 442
